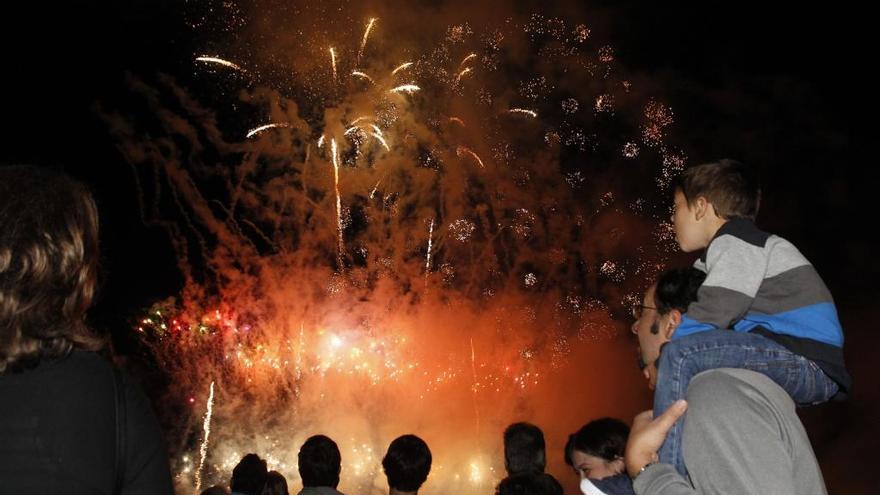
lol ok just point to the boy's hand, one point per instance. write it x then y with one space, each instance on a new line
647 435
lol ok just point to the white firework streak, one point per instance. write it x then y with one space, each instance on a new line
363 76
206 427
373 192
257 130
405 88
338 199
333 62
464 61
381 140
401 67
321 141
218 60
428 256
460 74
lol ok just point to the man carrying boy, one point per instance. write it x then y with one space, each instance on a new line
760 286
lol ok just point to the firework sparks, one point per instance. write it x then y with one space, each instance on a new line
206 427
457 121
401 67
364 41
335 153
264 127
220 61
363 76
461 150
405 88
333 62
321 141
531 113
464 72
350 130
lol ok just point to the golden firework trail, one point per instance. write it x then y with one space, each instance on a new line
364 41
401 67
464 61
465 150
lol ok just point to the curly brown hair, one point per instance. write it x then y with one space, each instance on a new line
48 265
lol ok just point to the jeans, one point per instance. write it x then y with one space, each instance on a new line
682 359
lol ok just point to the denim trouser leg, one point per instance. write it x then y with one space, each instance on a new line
682 359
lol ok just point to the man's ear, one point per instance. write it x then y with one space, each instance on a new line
672 321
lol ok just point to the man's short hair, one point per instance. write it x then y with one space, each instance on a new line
730 186
677 289
529 484
319 462
604 438
407 463
524 450
249 475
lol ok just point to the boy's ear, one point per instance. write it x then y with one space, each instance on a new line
673 320
701 207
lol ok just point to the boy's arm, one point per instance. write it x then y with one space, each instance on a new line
735 270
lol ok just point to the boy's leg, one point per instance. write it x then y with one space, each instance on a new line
681 359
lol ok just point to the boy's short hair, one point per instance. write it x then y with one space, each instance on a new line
407 463
319 462
677 289
604 438
524 449
730 186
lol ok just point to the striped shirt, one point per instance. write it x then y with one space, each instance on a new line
758 282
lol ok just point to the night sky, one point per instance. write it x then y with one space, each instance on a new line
778 87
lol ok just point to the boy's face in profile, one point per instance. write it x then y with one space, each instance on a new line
688 230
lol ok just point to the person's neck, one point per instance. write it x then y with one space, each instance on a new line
714 226
392 491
